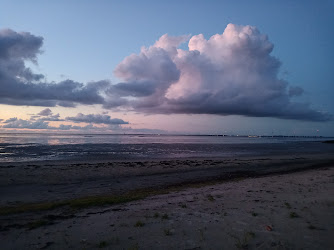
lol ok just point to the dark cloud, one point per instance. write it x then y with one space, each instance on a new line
232 73
20 86
136 89
46 115
65 93
98 119
51 118
115 101
154 65
45 112
147 75
22 45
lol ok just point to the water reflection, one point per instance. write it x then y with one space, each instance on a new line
59 139
19 147
53 142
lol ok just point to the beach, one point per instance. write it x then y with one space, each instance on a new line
166 125
279 202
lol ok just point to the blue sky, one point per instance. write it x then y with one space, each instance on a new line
86 40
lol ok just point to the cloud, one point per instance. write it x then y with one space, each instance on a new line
98 119
232 73
32 123
46 115
65 127
13 119
114 125
42 119
51 118
28 124
22 45
147 75
19 123
71 127
14 123
136 89
45 112
20 86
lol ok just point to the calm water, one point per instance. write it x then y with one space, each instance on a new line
31 147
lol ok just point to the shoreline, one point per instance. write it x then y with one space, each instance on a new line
115 152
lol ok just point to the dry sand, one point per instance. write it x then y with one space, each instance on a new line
276 211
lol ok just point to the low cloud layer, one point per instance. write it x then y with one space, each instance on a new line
42 119
98 119
232 73
14 123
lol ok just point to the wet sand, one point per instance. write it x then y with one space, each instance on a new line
256 203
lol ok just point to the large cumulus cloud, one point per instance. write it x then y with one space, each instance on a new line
230 73
20 86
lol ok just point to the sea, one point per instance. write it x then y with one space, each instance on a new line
22 147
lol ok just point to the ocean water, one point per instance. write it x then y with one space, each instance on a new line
35 147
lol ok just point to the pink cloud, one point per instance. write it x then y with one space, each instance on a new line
229 73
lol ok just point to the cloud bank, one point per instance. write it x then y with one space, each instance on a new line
98 119
28 124
42 119
232 73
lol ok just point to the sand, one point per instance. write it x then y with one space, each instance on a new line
254 203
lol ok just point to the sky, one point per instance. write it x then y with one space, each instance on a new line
188 67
